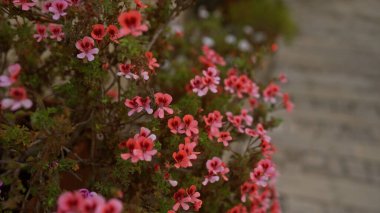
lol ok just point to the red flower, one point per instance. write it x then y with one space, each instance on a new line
181 159
41 32
152 61
98 32
224 137
113 33
175 125
288 104
188 147
190 125
193 194
162 101
127 71
146 146
131 23
270 93
56 32
135 152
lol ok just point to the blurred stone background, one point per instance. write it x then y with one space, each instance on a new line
329 147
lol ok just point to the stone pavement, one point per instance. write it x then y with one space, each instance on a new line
329 147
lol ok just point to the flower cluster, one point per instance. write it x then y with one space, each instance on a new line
56 32
140 147
216 167
209 81
83 201
185 154
240 121
17 95
185 196
189 126
138 104
129 70
211 58
130 23
240 85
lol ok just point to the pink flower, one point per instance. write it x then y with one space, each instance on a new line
144 103
248 189
91 204
236 121
224 137
267 149
77 202
70 202
162 101
18 98
152 61
193 194
58 8
197 205
209 81
112 206
251 132
264 171
145 132
126 70
98 32
45 6
262 132
12 75
211 58
25 4
140 5
188 147
113 33
190 125
288 104
238 209
135 152
56 32
181 159
240 85
138 104
181 199
175 125
248 119
133 105
213 123
283 79
198 86
270 93
86 46
41 32
131 23
146 145
210 177
215 165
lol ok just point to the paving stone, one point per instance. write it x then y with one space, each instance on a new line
330 144
357 169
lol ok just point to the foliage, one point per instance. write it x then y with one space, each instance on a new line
69 106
